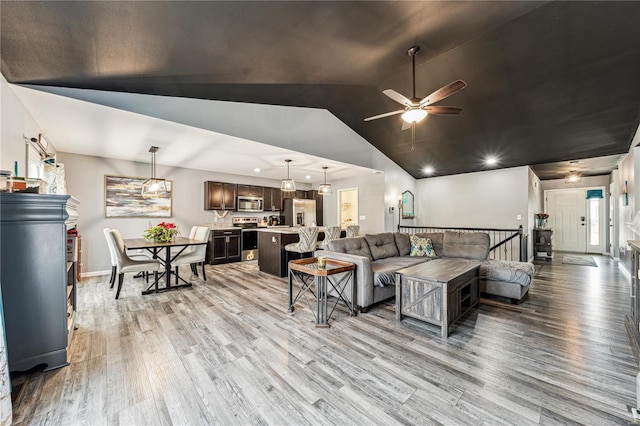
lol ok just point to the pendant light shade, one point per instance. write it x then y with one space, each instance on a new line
153 186
288 185
325 188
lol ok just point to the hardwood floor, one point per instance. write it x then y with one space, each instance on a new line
226 352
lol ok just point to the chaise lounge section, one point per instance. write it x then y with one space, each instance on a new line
378 256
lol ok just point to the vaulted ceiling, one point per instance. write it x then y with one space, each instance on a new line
547 82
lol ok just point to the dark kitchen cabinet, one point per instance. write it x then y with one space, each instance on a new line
250 191
220 195
272 199
224 246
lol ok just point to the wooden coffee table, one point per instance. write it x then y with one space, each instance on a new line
439 291
307 274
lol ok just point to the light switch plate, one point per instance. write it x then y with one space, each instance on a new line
363 218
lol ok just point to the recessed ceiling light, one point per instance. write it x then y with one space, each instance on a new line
573 163
307 177
428 170
491 161
257 170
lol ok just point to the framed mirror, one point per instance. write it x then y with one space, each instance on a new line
407 205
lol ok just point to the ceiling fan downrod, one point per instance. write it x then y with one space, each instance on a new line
413 51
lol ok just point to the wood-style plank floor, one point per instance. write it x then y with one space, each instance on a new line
226 352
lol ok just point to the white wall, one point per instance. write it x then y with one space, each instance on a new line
489 199
15 121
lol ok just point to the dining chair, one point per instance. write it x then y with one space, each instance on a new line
306 245
125 263
353 230
114 260
194 255
330 233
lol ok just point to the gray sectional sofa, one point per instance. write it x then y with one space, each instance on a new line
378 256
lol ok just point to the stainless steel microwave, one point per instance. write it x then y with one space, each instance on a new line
250 204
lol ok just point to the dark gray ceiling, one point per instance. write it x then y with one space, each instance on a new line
547 81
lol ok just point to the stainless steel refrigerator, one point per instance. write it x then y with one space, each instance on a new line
299 212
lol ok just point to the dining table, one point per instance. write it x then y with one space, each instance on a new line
155 248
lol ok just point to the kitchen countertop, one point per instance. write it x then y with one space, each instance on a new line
279 230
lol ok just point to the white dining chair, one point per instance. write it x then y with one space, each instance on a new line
194 255
126 264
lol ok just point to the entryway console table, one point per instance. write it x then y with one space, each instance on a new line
438 292
542 243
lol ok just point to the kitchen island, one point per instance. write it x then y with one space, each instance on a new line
271 242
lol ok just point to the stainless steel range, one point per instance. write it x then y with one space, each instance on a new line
249 239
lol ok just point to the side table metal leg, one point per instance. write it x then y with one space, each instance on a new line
321 290
290 309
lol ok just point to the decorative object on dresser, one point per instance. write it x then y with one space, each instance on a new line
541 220
38 281
123 198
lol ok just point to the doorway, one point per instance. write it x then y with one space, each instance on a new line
347 207
577 221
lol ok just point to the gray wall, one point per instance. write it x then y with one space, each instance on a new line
85 181
490 199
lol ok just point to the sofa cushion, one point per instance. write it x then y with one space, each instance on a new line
354 245
384 270
507 271
382 245
422 247
466 245
436 240
403 243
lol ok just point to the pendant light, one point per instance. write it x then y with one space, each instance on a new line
288 185
325 188
154 186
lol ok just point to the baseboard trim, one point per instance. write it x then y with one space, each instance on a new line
94 274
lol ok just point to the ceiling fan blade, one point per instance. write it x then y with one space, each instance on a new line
405 125
386 114
443 110
397 97
443 92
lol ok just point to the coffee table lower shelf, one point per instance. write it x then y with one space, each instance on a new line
438 292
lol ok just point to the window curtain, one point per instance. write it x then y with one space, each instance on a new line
594 193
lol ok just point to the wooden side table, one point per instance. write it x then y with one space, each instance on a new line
307 274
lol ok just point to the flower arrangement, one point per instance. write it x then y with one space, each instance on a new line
162 232
542 216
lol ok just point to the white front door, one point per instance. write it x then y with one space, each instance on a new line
567 217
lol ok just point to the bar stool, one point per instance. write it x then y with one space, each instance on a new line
330 233
308 237
353 230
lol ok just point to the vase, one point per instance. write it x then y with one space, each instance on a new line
542 223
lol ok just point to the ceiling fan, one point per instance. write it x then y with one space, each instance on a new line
416 109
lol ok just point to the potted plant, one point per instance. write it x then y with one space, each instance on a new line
162 232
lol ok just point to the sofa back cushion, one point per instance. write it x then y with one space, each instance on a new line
355 245
403 243
468 245
382 245
436 240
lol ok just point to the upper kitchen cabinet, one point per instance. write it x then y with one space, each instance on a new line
220 195
272 199
250 191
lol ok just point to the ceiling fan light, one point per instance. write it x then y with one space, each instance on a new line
414 115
